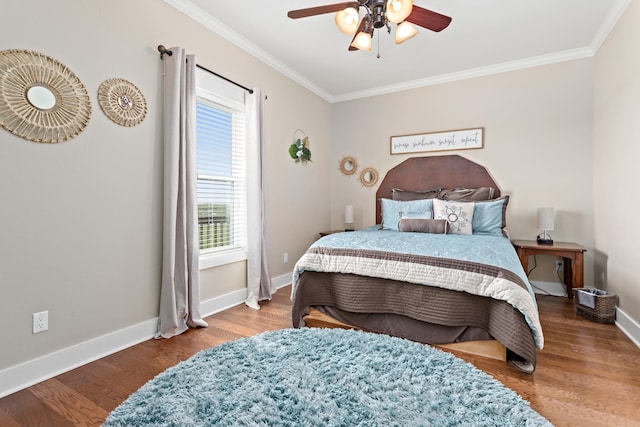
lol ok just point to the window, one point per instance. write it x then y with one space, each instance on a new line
220 135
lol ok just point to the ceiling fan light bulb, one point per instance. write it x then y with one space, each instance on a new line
362 41
404 32
398 10
347 20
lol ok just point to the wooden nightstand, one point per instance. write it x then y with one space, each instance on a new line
326 233
572 255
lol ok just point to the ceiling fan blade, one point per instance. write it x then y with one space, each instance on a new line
319 10
360 28
428 19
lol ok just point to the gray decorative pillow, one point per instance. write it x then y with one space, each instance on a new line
398 194
458 214
421 225
468 194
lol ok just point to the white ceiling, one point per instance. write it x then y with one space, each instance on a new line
485 37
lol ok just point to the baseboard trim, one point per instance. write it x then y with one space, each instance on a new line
555 289
48 366
628 325
223 302
26 374
18 377
282 281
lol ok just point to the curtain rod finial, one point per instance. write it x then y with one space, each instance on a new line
163 50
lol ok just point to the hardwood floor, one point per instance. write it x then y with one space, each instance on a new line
587 375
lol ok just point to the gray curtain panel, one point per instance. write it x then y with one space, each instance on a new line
259 285
180 292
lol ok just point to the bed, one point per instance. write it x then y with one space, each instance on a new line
438 266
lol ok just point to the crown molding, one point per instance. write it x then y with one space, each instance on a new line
204 18
469 74
616 12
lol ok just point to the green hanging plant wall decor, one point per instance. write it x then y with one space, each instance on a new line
299 150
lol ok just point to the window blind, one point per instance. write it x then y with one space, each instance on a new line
220 135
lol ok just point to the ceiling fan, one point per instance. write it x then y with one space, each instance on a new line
377 14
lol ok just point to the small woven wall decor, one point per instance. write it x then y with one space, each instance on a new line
368 177
122 102
348 165
41 100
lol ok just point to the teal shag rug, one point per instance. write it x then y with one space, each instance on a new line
324 377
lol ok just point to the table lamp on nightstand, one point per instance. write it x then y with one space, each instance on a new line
545 223
348 218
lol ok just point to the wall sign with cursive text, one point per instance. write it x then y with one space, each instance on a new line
462 139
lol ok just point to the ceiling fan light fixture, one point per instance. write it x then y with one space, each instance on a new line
362 41
398 10
347 20
405 31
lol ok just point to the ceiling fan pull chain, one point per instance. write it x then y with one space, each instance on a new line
378 56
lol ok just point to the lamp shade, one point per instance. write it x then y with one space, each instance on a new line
362 41
545 219
347 20
404 32
348 214
399 10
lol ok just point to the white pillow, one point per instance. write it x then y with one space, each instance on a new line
458 214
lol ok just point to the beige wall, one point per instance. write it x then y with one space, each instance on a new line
538 145
616 170
80 221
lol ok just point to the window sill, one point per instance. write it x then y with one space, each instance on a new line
223 258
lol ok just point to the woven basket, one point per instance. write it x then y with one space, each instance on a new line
604 310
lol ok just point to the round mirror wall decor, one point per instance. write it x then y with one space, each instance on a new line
41 97
122 102
368 177
348 165
41 100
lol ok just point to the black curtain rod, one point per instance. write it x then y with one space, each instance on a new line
164 51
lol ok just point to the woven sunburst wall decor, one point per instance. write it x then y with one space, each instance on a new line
348 165
368 177
40 98
122 102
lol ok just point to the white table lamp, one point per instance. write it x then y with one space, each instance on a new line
348 218
545 223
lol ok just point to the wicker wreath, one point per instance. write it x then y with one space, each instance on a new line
122 102
66 113
348 165
369 177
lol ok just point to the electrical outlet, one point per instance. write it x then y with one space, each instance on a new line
559 265
40 322
285 258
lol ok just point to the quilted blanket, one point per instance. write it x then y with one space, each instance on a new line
480 265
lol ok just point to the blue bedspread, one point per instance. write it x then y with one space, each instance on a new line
357 253
484 249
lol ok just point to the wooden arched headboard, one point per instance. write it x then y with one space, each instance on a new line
426 173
